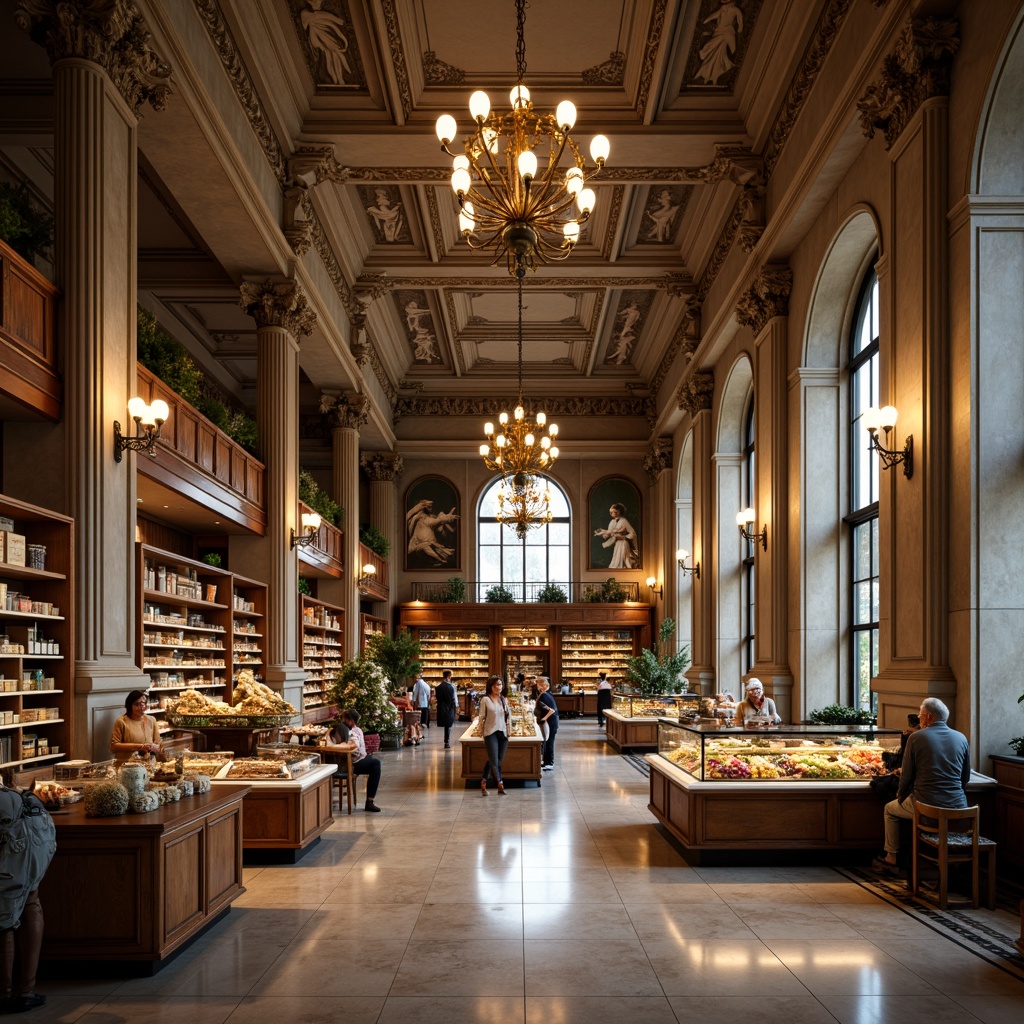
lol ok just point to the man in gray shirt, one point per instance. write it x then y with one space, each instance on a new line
936 769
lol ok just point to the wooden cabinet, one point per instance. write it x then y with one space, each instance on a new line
36 635
323 652
465 651
586 652
368 626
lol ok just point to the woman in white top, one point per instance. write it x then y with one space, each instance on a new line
756 704
494 727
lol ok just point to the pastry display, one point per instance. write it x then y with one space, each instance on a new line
255 706
54 795
256 768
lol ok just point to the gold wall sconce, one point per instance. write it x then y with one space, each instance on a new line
310 528
745 520
884 420
149 418
693 570
652 584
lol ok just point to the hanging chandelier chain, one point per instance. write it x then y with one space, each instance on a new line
519 282
520 41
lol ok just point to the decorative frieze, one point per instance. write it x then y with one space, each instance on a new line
685 340
345 411
767 297
386 466
416 405
278 304
609 72
696 393
917 69
438 72
110 33
658 457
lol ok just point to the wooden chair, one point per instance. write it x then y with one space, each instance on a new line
344 777
945 836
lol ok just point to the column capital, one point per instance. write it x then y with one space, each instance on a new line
658 457
278 304
109 33
917 70
386 466
696 392
766 298
345 411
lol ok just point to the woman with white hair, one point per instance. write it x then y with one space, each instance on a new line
756 705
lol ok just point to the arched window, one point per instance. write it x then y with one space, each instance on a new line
862 515
747 643
523 566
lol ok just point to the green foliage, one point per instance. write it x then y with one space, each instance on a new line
361 686
318 500
304 587
839 714
499 594
1018 745
212 559
397 656
374 540
609 592
454 591
552 594
26 229
657 670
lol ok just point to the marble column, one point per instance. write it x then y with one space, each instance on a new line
103 73
282 314
383 469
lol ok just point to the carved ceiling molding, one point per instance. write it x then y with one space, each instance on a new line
818 49
752 223
686 339
719 253
437 72
297 218
917 69
696 393
224 43
766 298
613 221
651 47
415 405
719 45
328 44
668 282
609 72
449 305
384 466
345 412
110 33
595 320
397 56
435 221
278 304
658 457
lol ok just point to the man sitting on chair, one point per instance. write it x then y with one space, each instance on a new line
362 763
936 769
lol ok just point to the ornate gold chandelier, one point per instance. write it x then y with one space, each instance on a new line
521 452
517 213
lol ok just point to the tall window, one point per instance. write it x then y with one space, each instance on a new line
523 566
862 517
747 501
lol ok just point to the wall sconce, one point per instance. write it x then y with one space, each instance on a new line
744 520
652 582
368 575
694 570
310 528
885 419
148 421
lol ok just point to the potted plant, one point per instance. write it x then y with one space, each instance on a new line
374 540
609 592
1018 741
499 594
453 592
361 686
212 558
657 670
26 229
552 594
397 656
838 714
318 500
304 587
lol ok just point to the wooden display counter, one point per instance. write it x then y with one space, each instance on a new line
522 758
727 822
570 705
283 818
129 891
1009 816
630 733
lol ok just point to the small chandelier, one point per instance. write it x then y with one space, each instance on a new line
519 214
516 453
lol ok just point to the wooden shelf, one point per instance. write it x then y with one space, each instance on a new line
322 654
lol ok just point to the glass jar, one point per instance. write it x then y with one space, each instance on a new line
36 556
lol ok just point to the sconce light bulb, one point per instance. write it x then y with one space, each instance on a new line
887 417
744 518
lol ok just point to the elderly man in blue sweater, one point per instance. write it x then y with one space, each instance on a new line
936 770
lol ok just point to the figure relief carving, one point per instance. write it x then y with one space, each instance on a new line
752 217
662 211
723 26
278 304
110 33
345 411
297 219
917 69
329 34
658 457
766 298
696 393
382 465
385 209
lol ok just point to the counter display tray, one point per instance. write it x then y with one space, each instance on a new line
228 721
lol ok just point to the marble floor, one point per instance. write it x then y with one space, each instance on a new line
558 905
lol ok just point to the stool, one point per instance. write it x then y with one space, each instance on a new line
344 777
934 840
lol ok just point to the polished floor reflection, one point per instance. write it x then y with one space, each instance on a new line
558 905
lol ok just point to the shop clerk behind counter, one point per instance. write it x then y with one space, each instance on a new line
135 731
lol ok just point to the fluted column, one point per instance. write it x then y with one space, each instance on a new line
282 315
658 463
103 72
383 469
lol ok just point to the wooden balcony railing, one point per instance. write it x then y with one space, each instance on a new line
199 461
576 591
323 556
376 586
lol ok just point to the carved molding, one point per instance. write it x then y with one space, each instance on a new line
438 72
609 72
685 340
224 43
297 218
752 217
386 466
674 284
345 412
278 304
397 55
917 69
696 393
651 47
109 33
415 405
766 298
658 457
717 259
328 41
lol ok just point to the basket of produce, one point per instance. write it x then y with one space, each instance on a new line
254 706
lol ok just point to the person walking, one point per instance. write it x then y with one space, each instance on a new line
604 697
447 705
495 719
546 712
362 763
421 700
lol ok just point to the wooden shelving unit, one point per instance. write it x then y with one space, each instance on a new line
36 615
248 615
465 651
323 651
368 625
586 652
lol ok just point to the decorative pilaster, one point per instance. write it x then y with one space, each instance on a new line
657 462
282 314
695 393
767 297
383 469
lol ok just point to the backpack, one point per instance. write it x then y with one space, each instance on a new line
28 840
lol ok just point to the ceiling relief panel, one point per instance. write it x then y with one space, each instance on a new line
627 325
719 44
328 40
663 213
386 214
417 320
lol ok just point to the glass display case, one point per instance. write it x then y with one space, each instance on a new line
634 706
795 753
